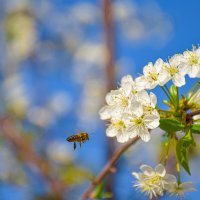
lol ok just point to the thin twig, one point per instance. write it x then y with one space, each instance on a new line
108 168
197 112
189 116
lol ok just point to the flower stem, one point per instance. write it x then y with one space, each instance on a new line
178 167
165 91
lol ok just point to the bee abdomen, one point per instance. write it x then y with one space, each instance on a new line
72 138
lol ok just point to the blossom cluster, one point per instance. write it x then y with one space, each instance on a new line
154 182
174 69
131 112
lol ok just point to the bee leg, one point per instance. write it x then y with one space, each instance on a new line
80 144
74 145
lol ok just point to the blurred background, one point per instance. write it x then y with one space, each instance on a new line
58 59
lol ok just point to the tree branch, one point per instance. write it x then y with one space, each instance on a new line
190 115
108 168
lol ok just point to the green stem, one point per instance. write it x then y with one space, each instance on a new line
167 94
166 91
178 167
177 99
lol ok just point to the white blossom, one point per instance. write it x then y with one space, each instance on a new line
180 189
117 128
191 62
172 71
138 122
150 78
153 181
117 102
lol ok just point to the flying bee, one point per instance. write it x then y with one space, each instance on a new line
80 137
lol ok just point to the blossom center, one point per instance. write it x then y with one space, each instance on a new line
153 76
193 59
172 70
138 121
119 124
122 100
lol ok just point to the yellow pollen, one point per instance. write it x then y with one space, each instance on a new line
138 121
193 59
122 100
153 76
172 70
119 124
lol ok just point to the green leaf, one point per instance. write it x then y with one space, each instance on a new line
171 125
196 128
182 149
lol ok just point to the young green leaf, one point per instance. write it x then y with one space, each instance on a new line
171 125
196 128
182 149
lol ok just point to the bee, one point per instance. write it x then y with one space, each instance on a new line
80 137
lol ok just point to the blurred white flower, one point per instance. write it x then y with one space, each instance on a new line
192 62
59 103
153 182
180 189
40 116
56 151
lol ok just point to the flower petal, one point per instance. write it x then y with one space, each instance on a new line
151 121
159 169
144 134
187 187
111 131
136 108
104 112
178 80
147 170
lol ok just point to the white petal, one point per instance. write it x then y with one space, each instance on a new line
141 83
136 108
159 64
160 170
144 133
151 121
194 71
126 89
153 99
143 97
136 175
187 187
183 69
163 77
122 137
126 79
148 68
104 112
170 179
178 80
110 97
147 170
132 132
111 131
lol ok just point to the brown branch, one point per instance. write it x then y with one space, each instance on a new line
109 53
189 116
108 168
107 18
